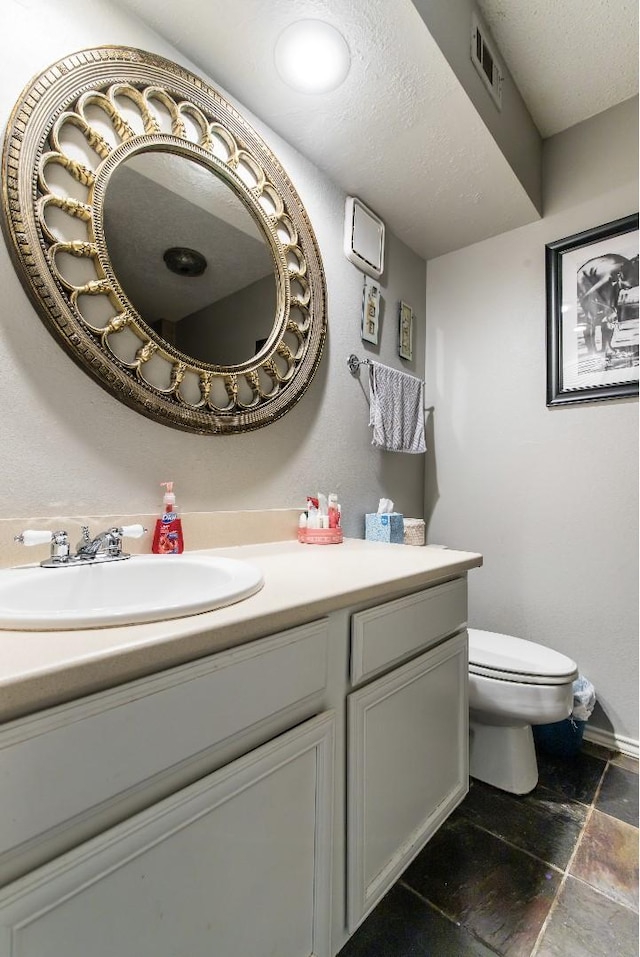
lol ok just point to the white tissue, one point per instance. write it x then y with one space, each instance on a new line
385 505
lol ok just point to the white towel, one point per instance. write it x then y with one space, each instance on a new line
396 410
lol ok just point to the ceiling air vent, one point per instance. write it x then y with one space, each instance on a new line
483 55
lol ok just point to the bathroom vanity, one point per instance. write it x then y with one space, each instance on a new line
247 781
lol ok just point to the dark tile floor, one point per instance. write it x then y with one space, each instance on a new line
551 874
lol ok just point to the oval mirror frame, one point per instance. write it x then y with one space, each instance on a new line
135 94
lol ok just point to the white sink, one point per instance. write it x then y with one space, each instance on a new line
141 588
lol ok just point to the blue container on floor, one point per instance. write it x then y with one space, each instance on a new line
563 739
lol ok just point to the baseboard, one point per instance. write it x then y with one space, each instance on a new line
612 741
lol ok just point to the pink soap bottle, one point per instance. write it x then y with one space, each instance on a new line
167 538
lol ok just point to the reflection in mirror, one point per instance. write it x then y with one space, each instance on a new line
157 201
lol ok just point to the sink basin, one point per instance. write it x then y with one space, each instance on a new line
142 588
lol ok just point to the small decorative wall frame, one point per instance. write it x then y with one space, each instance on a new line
405 331
87 121
592 314
370 311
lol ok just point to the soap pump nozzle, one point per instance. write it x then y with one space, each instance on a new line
169 500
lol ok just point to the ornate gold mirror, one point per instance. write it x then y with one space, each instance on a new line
161 241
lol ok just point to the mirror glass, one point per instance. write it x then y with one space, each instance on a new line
218 309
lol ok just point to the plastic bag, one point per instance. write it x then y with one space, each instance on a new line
584 699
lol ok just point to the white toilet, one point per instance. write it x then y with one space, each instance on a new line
513 684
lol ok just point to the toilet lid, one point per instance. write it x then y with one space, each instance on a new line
514 659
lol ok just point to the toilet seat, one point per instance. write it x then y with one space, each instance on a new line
506 658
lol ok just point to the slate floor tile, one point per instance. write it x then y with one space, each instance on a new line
607 858
499 894
585 923
403 925
576 778
619 794
542 822
477 889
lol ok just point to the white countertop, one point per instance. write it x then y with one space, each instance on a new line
302 582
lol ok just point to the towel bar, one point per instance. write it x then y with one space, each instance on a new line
354 364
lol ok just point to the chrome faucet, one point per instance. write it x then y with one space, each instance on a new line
105 547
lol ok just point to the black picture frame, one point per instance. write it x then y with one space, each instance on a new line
592 314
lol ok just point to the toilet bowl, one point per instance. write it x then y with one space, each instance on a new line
513 684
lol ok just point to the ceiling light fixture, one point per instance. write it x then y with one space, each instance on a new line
184 261
311 56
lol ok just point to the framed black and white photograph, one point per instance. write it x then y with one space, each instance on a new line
405 331
370 311
592 314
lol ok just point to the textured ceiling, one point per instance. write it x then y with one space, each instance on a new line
401 133
570 59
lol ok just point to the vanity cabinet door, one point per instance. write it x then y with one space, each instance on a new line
408 767
236 864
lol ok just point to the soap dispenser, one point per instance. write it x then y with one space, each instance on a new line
167 538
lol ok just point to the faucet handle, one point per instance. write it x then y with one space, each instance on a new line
115 535
32 536
125 531
59 542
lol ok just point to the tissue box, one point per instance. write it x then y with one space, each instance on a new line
384 527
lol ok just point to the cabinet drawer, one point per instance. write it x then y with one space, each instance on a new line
392 632
116 751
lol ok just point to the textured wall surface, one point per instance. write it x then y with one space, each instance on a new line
70 448
549 496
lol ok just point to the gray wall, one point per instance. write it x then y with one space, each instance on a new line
226 332
70 448
549 496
